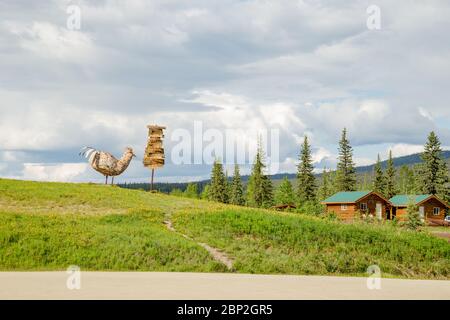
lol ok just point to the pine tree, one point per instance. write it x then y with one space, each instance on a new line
305 177
205 193
434 175
218 188
419 173
390 189
267 191
285 193
333 182
259 188
407 180
237 190
191 191
227 187
346 173
378 181
413 220
366 182
326 188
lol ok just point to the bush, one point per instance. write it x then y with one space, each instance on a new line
365 217
176 192
311 208
413 220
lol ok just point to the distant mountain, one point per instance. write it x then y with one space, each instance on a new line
401 161
167 187
398 162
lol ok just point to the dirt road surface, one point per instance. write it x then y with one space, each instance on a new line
163 285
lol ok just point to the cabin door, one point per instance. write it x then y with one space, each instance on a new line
379 210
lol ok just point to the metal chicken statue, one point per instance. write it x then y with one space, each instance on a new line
106 163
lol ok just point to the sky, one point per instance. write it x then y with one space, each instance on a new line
292 67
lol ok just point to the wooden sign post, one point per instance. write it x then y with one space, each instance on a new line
154 152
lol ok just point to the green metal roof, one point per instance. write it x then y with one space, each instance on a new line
403 200
346 197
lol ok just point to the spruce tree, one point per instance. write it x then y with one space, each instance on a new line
237 190
205 193
218 190
333 182
413 220
267 191
365 183
434 175
326 188
378 181
259 188
407 180
419 173
390 189
191 191
285 193
306 181
346 173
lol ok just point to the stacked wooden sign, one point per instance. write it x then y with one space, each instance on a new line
154 152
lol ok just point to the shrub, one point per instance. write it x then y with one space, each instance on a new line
311 208
413 220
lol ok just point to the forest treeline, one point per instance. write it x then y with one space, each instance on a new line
430 176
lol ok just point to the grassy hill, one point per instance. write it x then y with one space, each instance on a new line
50 226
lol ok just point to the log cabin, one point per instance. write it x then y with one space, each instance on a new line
430 207
347 205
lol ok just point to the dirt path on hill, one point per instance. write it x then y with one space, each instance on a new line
215 253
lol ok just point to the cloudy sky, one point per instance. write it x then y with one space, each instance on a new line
299 67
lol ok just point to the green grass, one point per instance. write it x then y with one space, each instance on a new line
50 226
289 244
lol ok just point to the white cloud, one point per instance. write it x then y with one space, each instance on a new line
303 67
50 41
53 172
321 154
402 149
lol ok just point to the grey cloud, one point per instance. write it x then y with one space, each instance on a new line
138 62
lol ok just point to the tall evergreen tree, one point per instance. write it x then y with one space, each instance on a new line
333 182
237 190
434 176
378 181
267 189
365 183
306 180
390 189
284 194
326 188
218 190
259 188
346 172
407 180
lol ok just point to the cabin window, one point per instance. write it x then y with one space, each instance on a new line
343 207
436 211
363 206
